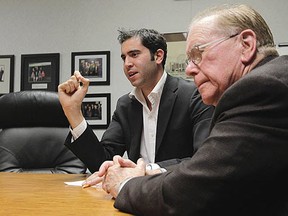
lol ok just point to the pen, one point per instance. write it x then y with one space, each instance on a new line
85 185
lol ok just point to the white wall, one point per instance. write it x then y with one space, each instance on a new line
65 26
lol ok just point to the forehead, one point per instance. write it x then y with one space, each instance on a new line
202 31
133 43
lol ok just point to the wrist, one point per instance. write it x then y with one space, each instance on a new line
74 118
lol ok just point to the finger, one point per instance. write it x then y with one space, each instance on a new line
126 163
103 168
105 185
77 74
69 86
94 175
116 159
83 80
141 164
61 88
64 87
92 181
72 85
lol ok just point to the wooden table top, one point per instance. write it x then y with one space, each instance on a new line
46 194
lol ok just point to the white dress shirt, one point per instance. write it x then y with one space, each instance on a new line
148 137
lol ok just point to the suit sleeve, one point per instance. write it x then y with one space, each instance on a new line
88 149
93 152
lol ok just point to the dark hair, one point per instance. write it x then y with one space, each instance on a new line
150 38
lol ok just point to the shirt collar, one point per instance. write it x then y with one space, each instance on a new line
157 90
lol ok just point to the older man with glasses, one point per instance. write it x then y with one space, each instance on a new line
242 167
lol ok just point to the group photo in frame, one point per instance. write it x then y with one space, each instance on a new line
96 110
6 74
175 62
94 65
40 71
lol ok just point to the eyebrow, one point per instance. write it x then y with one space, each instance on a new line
130 52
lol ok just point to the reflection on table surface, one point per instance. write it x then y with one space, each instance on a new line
46 194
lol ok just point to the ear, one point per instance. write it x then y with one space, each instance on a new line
159 55
249 46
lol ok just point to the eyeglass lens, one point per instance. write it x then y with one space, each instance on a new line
196 55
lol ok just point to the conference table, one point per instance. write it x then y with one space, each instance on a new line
47 194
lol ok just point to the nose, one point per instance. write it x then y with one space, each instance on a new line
127 62
191 69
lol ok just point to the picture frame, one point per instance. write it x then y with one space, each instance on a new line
282 48
6 74
176 56
40 71
96 110
94 65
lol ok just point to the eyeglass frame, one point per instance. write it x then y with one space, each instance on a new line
196 49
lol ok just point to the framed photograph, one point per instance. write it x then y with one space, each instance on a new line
283 48
40 71
6 74
175 62
96 110
93 65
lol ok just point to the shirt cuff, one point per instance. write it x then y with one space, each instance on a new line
123 183
152 166
79 130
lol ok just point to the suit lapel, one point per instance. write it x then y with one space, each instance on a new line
136 123
167 101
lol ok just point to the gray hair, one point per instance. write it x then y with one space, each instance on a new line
233 19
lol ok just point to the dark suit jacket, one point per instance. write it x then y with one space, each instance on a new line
183 123
241 168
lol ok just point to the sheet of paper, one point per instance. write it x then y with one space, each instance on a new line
79 183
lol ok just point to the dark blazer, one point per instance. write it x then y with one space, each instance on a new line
183 123
241 168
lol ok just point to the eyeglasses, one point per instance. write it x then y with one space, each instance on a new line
195 54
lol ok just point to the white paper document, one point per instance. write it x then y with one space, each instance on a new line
79 183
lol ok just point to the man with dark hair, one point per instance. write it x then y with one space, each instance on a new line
163 118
